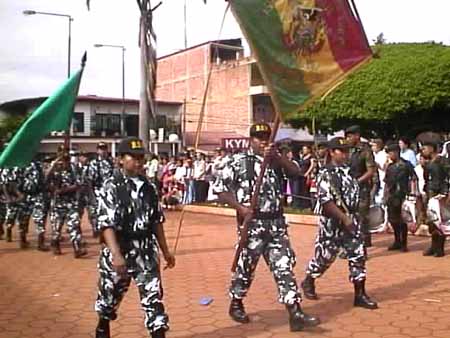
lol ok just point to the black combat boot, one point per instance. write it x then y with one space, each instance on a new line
237 311
8 234
309 289
78 251
161 333
56 248
23 241
298 319
440 242
434 242
41 243
361 298
403 237
102 330
396 245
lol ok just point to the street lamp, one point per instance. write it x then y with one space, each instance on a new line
122 118
31 12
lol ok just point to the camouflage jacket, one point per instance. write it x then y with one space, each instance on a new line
437 176
337 185
239 174
130 206
99 171
12 179
361 158
33 178
63 178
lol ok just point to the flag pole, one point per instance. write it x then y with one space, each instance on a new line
67 135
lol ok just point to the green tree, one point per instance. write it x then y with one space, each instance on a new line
403 92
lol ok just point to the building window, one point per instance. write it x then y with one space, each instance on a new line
107 125
78 122
263 110
132 125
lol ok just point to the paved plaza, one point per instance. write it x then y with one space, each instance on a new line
52 297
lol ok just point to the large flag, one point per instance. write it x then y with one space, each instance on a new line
54 114
304 48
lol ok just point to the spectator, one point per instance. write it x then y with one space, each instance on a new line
381 159
406 152
200 183
307 164
189 192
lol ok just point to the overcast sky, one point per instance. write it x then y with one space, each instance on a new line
33 57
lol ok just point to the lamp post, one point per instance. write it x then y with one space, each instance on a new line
122 117
69 44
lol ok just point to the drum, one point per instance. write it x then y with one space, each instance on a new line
410 213
377 219
438 212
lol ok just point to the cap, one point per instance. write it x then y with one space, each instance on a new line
392 146
172 166
102 145
260 130
338 143
131 145
353 130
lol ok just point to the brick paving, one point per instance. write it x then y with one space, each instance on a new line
52 297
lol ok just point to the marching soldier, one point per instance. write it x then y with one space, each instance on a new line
41 204
436 174
63 184
130 222
13 190
2 206
100 169
339 226
364 169
267 230
400 180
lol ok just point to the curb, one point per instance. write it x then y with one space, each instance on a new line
290 218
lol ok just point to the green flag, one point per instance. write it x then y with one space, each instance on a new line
53 114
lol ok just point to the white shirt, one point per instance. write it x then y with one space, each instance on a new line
199 169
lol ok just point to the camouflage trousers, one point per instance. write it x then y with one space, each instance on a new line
20 212
143 268
92 208
65 211
270 239
330 242
41 208
84 203
2 213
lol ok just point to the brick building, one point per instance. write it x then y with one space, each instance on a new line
236 95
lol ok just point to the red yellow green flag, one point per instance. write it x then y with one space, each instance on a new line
304 48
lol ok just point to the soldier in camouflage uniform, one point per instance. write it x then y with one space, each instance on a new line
41 204
84 193
339 225
130 220
13 183
99 170
364 169
63 184
437 186
267 230
2 206
400 180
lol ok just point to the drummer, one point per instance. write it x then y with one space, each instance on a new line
437 175
400 180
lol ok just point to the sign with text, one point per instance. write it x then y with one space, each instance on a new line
236 143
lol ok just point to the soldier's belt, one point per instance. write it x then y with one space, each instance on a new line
136 235
268 215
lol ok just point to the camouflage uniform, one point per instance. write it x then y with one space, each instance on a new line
361 159
267 232
41 200
99 171
335 184
129 206
84 193
2 206
13 180
64 207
